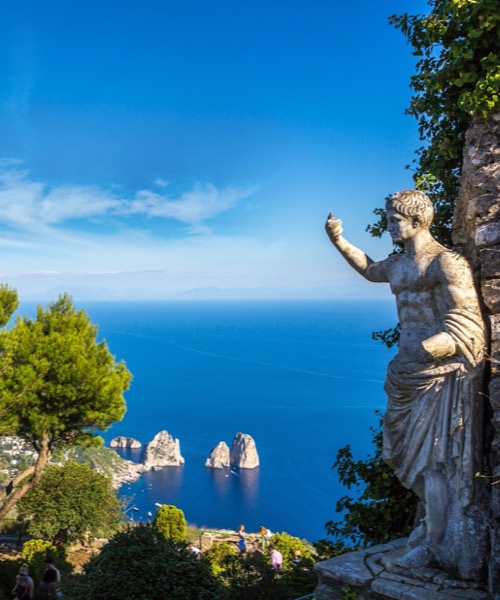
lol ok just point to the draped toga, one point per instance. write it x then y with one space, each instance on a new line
433 422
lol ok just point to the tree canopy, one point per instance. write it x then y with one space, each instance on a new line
58 386
382 509
457 77
71 503
171 521
142 563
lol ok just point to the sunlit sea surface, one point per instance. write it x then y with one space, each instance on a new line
302 378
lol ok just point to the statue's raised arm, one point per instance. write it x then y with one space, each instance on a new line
358 260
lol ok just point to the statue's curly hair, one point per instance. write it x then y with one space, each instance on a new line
412 203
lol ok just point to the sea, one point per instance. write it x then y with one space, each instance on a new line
303 378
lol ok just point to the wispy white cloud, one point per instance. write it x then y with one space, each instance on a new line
194 207
31 205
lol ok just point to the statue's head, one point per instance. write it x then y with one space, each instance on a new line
414 205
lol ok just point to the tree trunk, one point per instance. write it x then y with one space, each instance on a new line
18 491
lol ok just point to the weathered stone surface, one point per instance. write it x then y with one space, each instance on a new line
124 442
206 541
349 568
162 451
477 222
495 327
490 262
219 457
243 452
364 572
477 205
490 289
487 235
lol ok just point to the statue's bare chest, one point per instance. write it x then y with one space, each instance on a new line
412 275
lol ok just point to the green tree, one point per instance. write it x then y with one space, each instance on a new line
219 555
142 563
457 77
381 510
58 386
171 522
8 303
71 503
250 578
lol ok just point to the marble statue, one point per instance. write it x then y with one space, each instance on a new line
433 421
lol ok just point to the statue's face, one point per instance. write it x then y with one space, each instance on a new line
400 228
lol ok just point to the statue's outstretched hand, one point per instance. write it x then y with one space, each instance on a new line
333 227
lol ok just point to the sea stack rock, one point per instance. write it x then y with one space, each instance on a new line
244 452
124 442
162 451
219 457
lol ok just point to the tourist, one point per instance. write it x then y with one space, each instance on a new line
24 588
242 545
50 578
265 537
276 558
194 550
297 558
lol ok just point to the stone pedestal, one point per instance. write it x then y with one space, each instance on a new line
369 574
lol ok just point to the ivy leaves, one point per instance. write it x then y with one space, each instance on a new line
457 76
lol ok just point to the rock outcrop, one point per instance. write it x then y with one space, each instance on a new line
162 451
124 442
219 457
244 452
130 473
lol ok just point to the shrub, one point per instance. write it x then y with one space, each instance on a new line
36 552
8 571
219 556
171 522
142 563
287 544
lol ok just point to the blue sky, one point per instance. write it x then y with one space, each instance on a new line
188 149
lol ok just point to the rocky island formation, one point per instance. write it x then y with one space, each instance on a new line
218 457
124 442
243 454
162 451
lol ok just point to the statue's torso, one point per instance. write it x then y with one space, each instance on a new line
422 297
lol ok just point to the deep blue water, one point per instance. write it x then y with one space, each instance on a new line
302 378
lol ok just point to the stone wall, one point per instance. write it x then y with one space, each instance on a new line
476 234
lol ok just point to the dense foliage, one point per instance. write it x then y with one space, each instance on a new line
8 303
171 522
252 576
71 503
382 508
142 563
287 544
457 76
58 386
